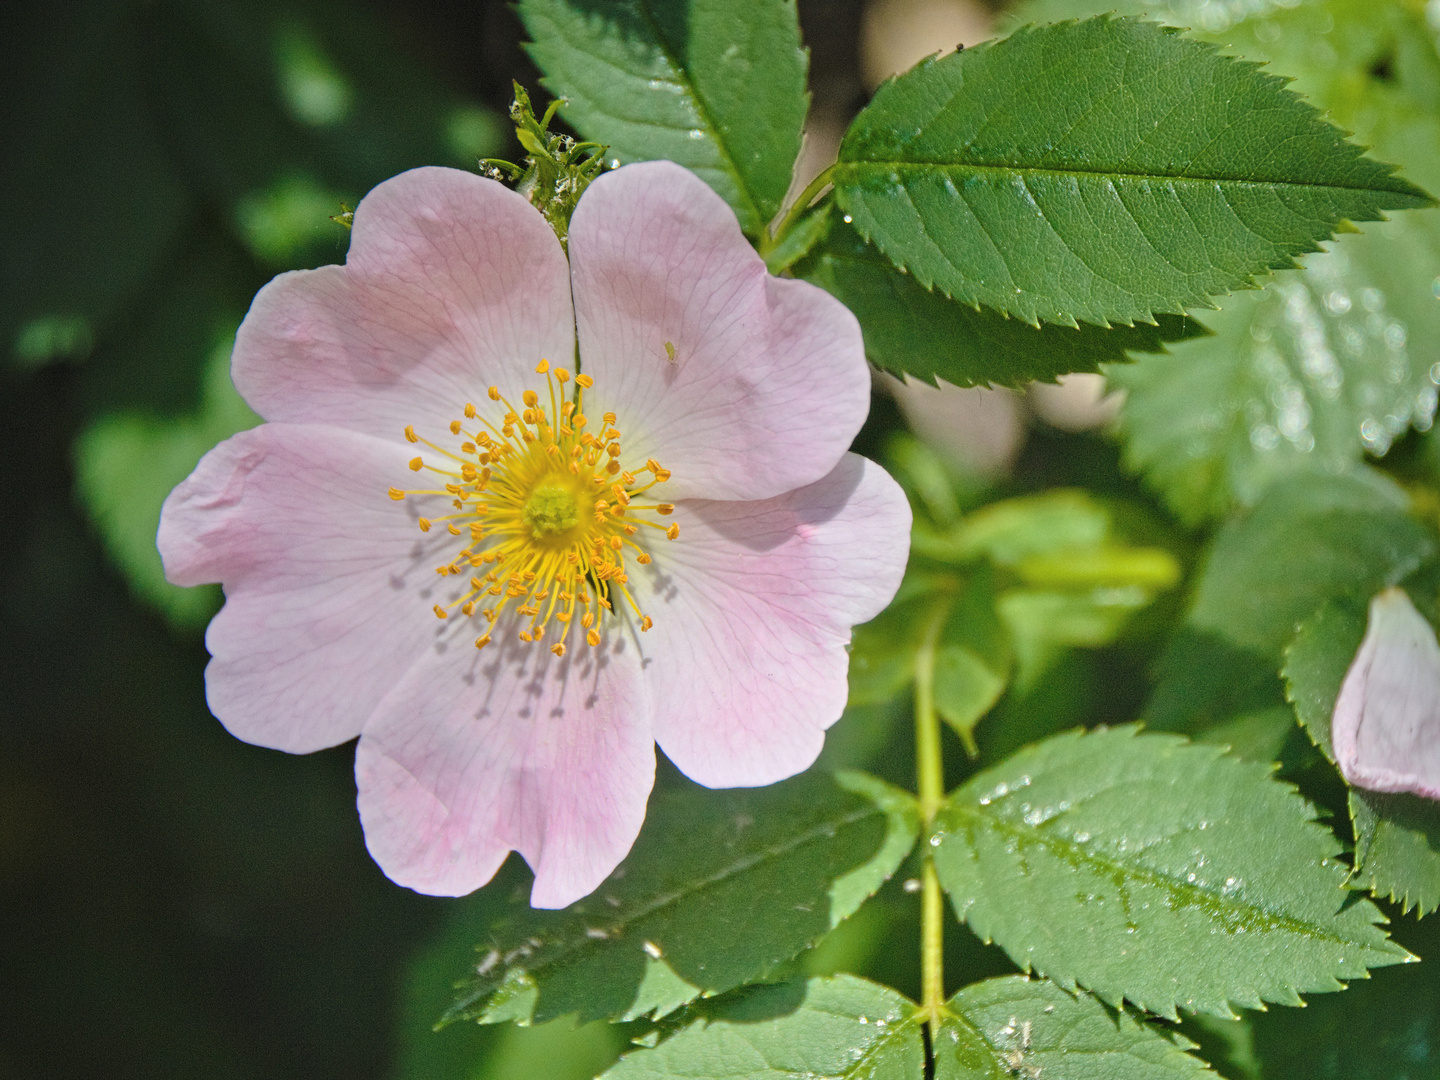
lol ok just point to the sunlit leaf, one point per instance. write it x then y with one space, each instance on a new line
1200 881
1103 171
715 85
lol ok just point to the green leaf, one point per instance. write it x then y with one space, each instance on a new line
1332 361
1397 837
1032 1028
715 85
126 463
1325 365
910 330
840 1028
1309 540
787 863
1103 171
1397 847
1153 870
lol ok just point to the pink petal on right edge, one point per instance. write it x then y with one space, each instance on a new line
769 383
753 606
1386 726
453 283
478 753
327 579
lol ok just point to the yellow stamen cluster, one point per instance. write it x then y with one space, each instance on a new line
545 512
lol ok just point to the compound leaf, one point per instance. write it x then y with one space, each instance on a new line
1149 869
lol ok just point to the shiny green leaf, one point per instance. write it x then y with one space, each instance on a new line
1102 171
1332 361
1199 880
715 85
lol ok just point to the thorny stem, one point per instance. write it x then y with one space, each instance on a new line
929 768
770 241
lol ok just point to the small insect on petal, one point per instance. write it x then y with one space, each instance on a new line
1386 724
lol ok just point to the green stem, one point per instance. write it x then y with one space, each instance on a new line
930 774
770 241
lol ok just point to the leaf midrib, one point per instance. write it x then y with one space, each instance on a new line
687 86
703 109
563 950
1064 848
877 164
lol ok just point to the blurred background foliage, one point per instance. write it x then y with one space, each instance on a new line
177 903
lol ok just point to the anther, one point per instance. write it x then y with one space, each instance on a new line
424 524
397 494
646 622
468 609
440 612
410 435
452 529
454 427
587 620
561 376
530 398
481 642
542 367
609 418
525 636
469 411
666 508
593 637
643 559
585 380
558 649
493 393
673 531
416 464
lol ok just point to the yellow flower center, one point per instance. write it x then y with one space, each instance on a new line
545 513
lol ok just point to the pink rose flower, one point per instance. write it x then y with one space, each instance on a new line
669 544
1386 726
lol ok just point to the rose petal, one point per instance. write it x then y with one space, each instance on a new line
753 604
1386 726
769 383
477 753
328 581
453 283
